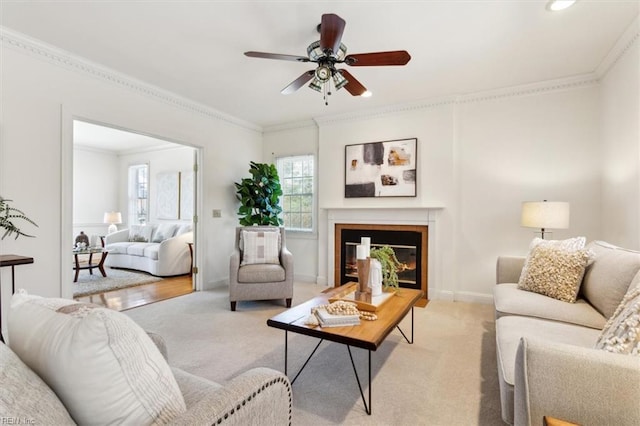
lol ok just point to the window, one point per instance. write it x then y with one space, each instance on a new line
138 194
296 177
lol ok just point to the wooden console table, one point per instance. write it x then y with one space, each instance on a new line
11 260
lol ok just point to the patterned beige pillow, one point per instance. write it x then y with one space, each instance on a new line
260 247
554 272
621 334
570 244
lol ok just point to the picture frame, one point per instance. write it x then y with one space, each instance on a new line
381 169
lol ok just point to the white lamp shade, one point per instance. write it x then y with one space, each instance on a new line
112 217
545 214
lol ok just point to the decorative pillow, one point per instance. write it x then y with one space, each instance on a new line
140 233
262 229
183 229
555 272
164 232
570 244
260 247
621 334
104 368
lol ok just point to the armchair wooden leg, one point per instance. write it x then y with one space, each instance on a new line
233 306
288 302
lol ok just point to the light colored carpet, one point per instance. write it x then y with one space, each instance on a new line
447 377
116 279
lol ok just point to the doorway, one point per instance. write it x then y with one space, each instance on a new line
102 157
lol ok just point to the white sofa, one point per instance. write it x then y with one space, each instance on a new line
160 249
548 364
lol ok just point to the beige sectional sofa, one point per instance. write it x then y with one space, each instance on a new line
548 364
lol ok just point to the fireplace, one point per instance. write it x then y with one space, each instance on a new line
409 243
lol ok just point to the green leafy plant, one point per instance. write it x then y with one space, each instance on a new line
389 263
8 215
259 196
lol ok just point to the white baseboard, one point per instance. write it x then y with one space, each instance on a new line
461 296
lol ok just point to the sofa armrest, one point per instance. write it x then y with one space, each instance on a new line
120 236
234 265
575 384
173 246
257 396
508 269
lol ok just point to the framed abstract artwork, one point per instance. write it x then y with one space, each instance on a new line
381 169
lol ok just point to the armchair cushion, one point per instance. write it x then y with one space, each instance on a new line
261 273
104 368
260 247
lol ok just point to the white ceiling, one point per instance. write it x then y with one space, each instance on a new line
100 137
195 48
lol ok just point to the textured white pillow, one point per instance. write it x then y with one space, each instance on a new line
163 232
260 247
104 368
621 334
140 233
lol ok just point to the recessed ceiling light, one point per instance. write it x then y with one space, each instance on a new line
556 5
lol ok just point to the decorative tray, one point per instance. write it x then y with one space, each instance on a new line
369 304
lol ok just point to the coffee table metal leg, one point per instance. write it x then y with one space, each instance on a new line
402 332
367 407
307 361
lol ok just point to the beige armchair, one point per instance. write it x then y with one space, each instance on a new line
250 278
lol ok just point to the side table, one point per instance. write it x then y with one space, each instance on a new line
11 260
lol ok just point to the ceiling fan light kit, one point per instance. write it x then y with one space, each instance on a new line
329 51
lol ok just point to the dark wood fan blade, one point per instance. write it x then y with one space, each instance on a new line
331 29
396 57
353 86
276 56
297 83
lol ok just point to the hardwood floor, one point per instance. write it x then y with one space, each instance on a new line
127 298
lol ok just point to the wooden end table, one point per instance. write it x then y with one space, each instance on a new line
90 265
368 335
11 260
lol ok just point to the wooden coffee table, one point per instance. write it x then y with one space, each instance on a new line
368 335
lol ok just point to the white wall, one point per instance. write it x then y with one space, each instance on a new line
299 140
522 148
95 190
41 94
620 117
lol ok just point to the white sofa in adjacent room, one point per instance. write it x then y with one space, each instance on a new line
160 249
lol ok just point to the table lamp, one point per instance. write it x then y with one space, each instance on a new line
112 218
545 214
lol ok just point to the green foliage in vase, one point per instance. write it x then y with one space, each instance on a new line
259 196
9 215
389 263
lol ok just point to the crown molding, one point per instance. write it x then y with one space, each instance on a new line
620 48
289 126
372 113
556 85
60 57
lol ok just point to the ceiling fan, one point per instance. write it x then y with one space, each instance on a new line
327 53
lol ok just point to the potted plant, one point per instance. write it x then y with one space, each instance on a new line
9 215
389 263
259 196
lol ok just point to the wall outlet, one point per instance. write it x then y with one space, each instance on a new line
217 213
